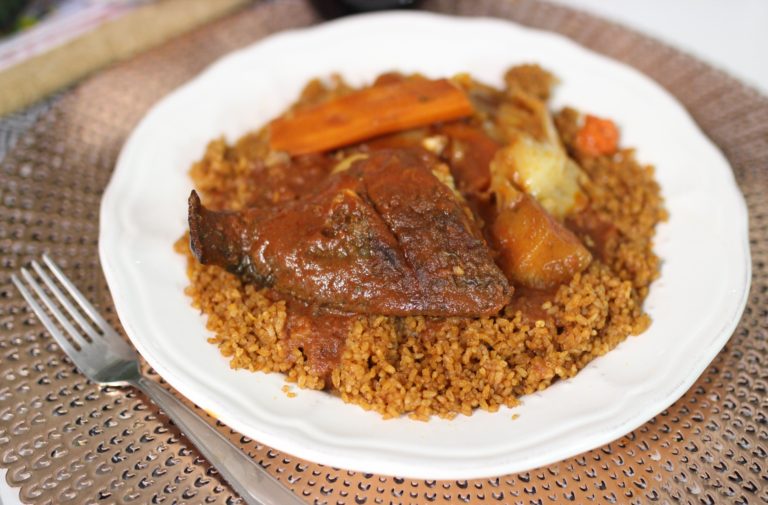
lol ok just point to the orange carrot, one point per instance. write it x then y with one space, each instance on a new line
597 137
373 111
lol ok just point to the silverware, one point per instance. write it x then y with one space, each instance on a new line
102 355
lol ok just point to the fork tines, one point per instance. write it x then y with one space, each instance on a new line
50 293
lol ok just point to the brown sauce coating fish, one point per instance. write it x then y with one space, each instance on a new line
382 237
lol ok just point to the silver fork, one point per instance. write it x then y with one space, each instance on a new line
102 355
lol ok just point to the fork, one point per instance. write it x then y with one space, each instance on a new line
103 356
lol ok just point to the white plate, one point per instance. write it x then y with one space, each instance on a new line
695 305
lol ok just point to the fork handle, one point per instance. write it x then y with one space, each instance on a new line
245 475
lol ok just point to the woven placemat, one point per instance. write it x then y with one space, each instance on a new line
65 440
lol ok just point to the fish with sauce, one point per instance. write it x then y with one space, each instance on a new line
384 236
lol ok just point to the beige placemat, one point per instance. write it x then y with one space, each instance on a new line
64 440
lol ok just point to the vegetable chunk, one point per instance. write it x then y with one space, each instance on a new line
597 137
534 249
379 109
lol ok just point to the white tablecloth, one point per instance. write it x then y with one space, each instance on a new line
729 34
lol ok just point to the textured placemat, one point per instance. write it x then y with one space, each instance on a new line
64 440
15 124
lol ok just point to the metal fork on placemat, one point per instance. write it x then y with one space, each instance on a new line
102 355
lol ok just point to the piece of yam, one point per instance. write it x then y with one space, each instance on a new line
534 249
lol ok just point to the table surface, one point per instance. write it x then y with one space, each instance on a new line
728 35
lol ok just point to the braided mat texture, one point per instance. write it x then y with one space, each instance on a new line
64 440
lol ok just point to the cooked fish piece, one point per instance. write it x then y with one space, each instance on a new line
384 236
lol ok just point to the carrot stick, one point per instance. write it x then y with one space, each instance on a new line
373 111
